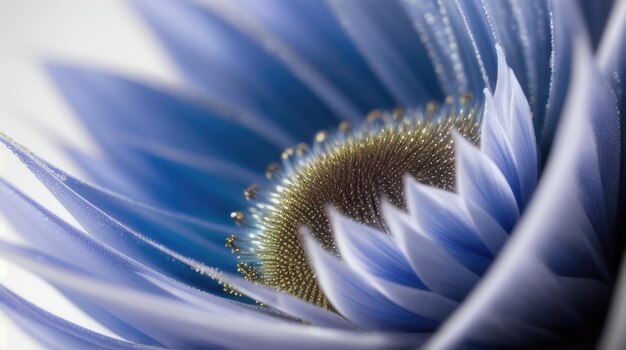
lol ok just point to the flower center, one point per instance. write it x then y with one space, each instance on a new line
351 171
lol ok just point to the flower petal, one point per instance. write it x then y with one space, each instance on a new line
480 181
507 134
387 41
375 258
566 25
372 251
108 230
439 271
596 15
56 333
613 335
286 303
355 299
552 274
151 136
309 28
229 66
182 326
443 217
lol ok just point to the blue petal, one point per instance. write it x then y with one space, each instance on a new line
110 231
156 136
567 25
479 29
181 325
611 59
385 37
356 300
507 133
197 239
596 15
443 217
480 181
56 333
612 54
232 67
375 258
613 335
111 105
552 274
523 29
433 24
437 269
39 227
288 304
373 250
309 28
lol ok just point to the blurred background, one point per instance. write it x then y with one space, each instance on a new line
101 33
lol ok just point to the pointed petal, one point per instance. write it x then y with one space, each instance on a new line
439 271
375 258
507 134
433 24
355 299
191 237
56 333
182 326
298 65
551 274
480 181
309 28
443 217
237 69
152 136
288 304
387 41
108 230
372 250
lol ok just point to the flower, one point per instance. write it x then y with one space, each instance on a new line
444 220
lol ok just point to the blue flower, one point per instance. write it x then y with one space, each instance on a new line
462 188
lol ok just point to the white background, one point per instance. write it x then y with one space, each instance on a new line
103 33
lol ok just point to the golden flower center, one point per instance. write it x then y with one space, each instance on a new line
352 174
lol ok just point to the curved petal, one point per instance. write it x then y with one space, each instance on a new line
183 326
56 333
611 59
596 15
439 271
480 181
372 250
152 136
319 84
286 303
567 26
551 264
384 35
432 22
507 135
443 217
108 230
308 28
358 301
374 257
229 66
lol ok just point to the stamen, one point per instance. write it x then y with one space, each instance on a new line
351 173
